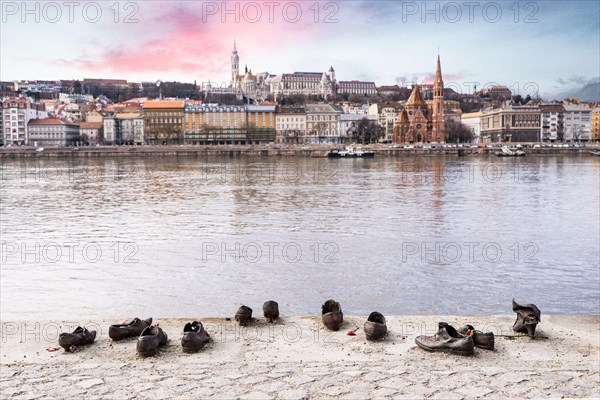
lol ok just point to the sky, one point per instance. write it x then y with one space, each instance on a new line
550 48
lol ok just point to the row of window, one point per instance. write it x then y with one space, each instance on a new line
288 126
51 135
330 126
163 113
322 118
214 110
288 119
163 121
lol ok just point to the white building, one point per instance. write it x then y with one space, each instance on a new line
67 98
124 128
17 112
304 84
577 122
290 123
322 123
37 86
349 123
53 132
387 114
357 87
91 133
352 109
552 122
473 122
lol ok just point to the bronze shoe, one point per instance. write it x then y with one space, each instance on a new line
480 339
332 315
447 339
243 315
131 329
375 327
194 337
80 336
150 339
527 318
271 310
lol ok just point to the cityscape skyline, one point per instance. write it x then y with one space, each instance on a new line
121 40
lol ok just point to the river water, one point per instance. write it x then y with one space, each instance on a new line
197 237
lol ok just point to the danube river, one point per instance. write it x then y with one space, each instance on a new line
197 237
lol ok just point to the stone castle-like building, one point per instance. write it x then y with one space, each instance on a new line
418 123
259 86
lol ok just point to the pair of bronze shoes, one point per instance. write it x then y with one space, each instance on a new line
462 342
332 315
79 337
375 327
128 330
527 318
270 311
151 338
194 337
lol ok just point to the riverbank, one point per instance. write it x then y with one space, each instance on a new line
296 358
266 150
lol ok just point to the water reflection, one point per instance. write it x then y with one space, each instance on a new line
197 236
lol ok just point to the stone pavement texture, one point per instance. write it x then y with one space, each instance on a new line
298 359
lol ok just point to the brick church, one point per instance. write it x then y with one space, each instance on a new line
418 123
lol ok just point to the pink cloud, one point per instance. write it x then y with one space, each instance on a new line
195 43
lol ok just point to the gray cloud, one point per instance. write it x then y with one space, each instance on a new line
586 89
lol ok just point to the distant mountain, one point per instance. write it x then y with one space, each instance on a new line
588 91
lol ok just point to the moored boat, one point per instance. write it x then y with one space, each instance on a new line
506 152
350 152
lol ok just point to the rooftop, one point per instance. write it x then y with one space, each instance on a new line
50 121
164 104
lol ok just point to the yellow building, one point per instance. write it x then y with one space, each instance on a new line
595 125
163 121
229 124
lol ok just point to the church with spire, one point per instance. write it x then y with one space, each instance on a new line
259 86
419 123
247 84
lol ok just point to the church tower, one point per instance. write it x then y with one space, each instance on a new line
235 64
438 133
417 110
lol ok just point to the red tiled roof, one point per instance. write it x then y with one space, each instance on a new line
164 104
90 125
127 115
104 81
50 121
389 88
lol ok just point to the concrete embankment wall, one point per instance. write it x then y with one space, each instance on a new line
259 151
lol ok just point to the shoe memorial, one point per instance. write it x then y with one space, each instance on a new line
128 330
271 310
527 318
243 315
79 337
332 315
375 327
150 339
480 339
447 339
194 337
